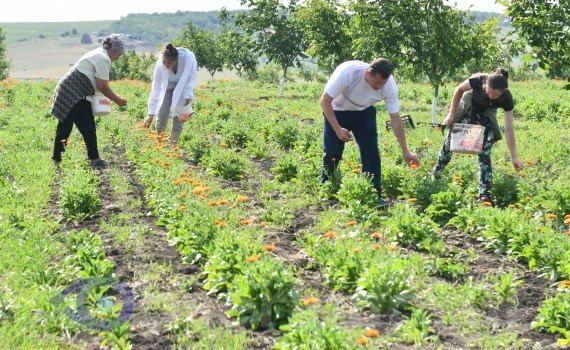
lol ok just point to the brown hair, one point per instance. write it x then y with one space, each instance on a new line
498 79
170 52
382 66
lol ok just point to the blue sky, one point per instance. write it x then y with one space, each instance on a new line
81 10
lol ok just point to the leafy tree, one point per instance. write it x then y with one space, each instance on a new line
326 24
432 38
277 32
4 62
132 66
238 46
207 46
545 26
491 50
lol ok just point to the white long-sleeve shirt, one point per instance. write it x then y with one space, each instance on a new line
188 68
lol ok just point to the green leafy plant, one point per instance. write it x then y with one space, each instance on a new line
412 229
226 163
79 197
505 288
264 296
357 196
418 329
553 314
285 168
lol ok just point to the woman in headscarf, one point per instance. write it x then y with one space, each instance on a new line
89 75
172 92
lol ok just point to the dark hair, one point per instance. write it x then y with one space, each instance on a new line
498 79
170 52
382 66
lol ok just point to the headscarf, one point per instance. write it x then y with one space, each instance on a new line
113 42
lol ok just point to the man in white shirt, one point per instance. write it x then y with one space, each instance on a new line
347 102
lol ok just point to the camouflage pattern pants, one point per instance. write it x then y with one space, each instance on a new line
485 167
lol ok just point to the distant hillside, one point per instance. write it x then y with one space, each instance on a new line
17 32
481 16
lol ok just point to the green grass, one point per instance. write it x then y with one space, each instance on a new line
26 30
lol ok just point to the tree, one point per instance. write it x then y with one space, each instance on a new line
207 47
545 26
238 46
74 31
134 67
326 26
429 36
4 62
277 32
491 50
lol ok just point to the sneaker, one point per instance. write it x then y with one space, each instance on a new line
486 200
98 163
382 203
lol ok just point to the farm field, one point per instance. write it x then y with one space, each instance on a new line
230 242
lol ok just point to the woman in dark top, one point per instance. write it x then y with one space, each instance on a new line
475 101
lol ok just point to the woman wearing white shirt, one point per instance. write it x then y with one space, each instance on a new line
172 92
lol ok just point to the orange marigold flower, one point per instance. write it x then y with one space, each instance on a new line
242 199
213 203
372 333
269 247
253 258
567 232
362 341
393 247
246 221
565 284
551 216
376 246
376 234
412 200
310 301
331 234
487 204
182 208
566 221
352 223
357 250
457 178
567 216
220 223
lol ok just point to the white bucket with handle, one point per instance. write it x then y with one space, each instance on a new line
183 112
100 104
467 138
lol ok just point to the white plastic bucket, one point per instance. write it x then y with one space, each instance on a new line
184 111
467 138
100 104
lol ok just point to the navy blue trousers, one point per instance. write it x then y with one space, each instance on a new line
362 124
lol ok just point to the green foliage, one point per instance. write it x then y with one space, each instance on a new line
358 196
385 286
444 205
285 168
314 329
326 26
553 314
413 229
285 43
418 329
543 25
448 268
4 62
505 288
134 67
226 163
79 197
264 296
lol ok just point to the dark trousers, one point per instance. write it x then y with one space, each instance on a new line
82 116
362 124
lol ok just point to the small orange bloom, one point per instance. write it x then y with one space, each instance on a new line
487 204
565 284
331 234
269 247
182 208
551 216
220 223
457 178
246 221
253 258
310 301
362 341
412 200
567 221
242 199
376 234
357 250
351 223
372 333
567 216
376 246
393 247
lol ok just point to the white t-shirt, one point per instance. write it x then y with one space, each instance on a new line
173 79
350 92
95 64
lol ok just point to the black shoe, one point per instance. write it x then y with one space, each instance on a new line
486 200
382 203
98 163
